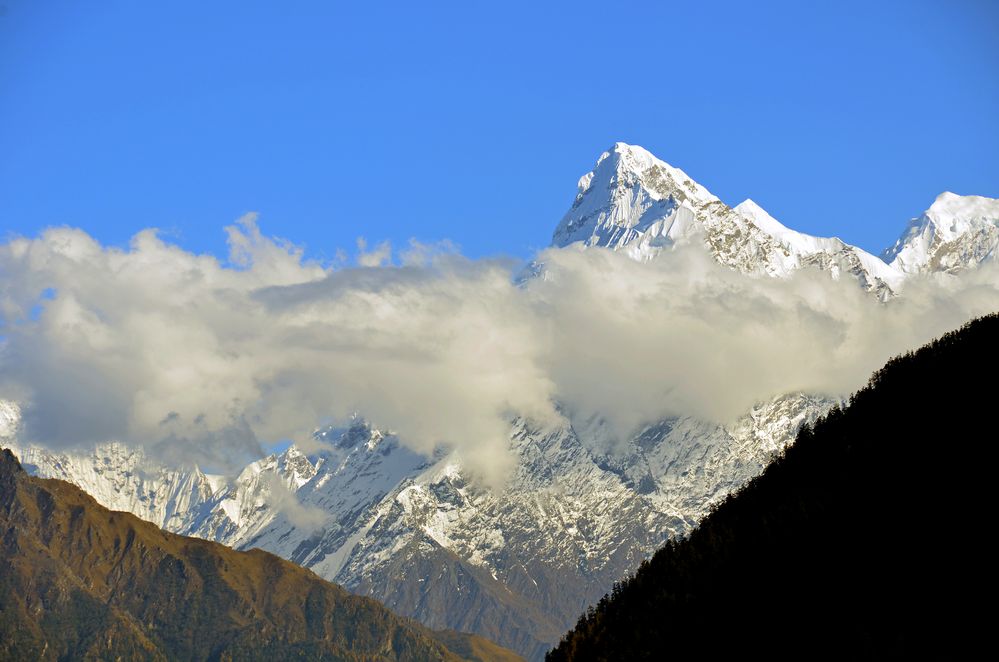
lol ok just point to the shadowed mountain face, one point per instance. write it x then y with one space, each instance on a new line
79 581
864 540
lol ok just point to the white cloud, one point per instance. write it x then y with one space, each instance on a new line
685 335
204 361
378 256
281 497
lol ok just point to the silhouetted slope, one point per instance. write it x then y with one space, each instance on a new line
867 538
78 581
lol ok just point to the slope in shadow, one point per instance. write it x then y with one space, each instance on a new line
866 539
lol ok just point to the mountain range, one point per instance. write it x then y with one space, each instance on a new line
518 565
633 202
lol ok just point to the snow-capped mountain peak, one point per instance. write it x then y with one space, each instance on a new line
954 215
761 217
638 204
956 232
630 195
637 163
797 242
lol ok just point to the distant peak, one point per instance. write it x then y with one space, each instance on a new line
646 167
760 217
968 207
625 148
630 157
622 158
750 208
946 201
618 200
956 232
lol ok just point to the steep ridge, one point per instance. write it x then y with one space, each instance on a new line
82 582
855 543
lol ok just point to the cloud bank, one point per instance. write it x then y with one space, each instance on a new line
202 360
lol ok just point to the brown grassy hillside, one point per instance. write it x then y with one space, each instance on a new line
78 581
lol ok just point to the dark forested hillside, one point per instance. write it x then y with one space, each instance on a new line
867 539
78 581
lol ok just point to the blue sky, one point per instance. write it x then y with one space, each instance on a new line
471 121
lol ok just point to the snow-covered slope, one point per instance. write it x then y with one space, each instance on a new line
10 417
955 233
636 203
120 478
